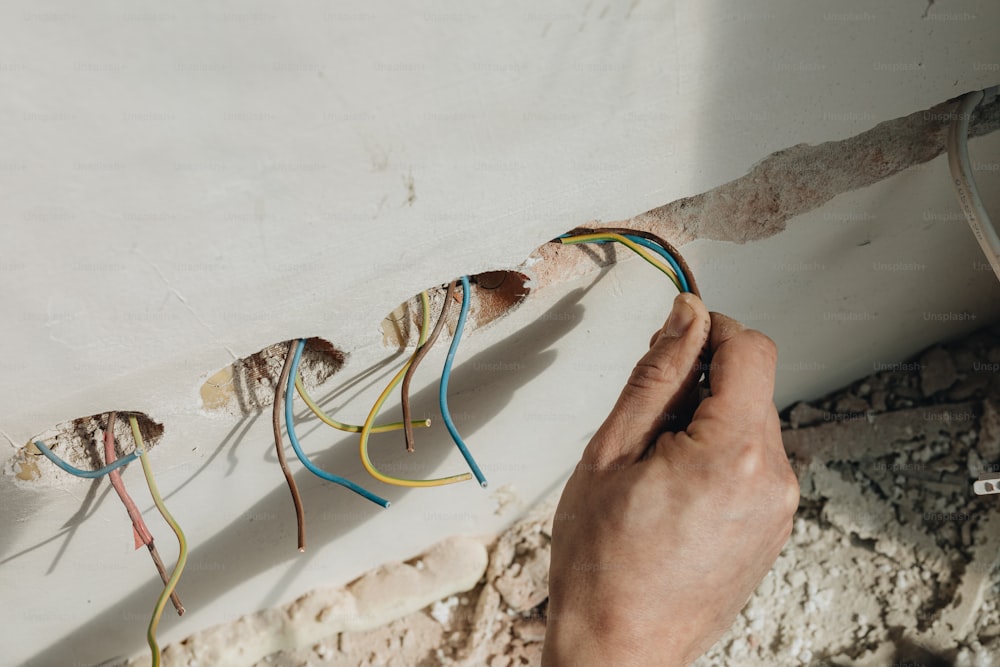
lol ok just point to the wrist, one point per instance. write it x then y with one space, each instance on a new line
603 639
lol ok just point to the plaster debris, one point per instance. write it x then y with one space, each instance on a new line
892 560
482 627
441 610
373 601
506 498
937 372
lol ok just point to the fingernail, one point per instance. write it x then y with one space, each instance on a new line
681 318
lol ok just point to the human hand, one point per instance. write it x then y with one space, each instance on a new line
660 537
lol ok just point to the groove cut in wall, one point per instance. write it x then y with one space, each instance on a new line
800 178
494 294
783 185
79 442
247 385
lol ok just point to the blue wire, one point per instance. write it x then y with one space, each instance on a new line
443 386
658 249
662 252
290 428
87 474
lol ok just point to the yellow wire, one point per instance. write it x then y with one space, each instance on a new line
161 602
367 428
631 245
350 428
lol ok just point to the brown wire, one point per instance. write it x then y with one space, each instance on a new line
417 358
138 524
279 402
651 237
706 355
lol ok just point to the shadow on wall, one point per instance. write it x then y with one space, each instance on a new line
244 550
77 442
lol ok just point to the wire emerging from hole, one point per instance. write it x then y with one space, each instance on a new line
604 237
366 429
280 392
422 350
296 352
86 474
138 525
161 602
443 385
680 273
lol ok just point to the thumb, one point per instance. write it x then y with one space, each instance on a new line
657 386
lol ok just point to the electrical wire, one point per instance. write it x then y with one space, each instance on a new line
366 430
161 602
662 247
443 385
422 350
684 278
349 428
664 254
290 428
965 184
280 394
655 247
599 237
86 474
138 524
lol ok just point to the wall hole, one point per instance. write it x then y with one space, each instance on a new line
493 295
247 385
80 443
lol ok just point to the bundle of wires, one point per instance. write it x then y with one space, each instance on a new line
640 242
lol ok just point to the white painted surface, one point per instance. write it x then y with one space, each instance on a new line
183 185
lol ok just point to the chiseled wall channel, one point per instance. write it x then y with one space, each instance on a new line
187 187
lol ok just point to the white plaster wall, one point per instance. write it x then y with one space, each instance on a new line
185 186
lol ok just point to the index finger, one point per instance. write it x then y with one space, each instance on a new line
741 376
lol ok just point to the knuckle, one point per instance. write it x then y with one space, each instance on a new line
750 463
648 374
789 528
790 495
761 344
